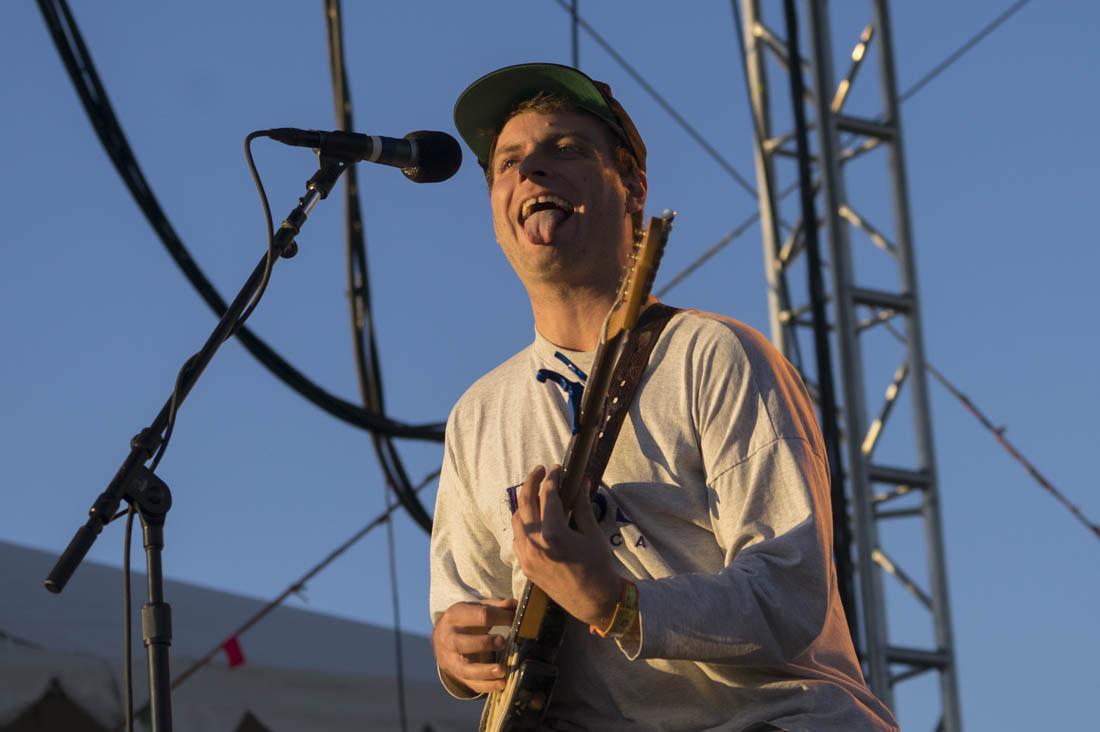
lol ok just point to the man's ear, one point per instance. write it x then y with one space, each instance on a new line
637 186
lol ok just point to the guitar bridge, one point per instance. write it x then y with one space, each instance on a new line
533 686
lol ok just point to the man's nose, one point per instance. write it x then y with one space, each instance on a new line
533 165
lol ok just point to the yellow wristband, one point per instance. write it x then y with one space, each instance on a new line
625 615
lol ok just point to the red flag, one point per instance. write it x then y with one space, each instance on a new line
233 652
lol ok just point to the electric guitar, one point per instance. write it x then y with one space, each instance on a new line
539 623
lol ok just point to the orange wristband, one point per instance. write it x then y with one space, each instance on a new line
625 615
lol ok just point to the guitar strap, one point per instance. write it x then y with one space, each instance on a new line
624 384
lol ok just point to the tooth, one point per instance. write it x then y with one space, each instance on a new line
525 209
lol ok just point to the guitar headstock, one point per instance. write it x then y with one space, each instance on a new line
637 281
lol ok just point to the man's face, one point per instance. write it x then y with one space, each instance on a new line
561 210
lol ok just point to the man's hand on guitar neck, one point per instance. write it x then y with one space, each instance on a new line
463 647
574 566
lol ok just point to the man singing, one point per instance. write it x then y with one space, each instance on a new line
711 531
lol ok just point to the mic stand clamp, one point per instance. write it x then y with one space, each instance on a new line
317 187
147 493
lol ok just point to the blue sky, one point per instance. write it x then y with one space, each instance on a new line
97 319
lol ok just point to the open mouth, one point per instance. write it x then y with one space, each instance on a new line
548 202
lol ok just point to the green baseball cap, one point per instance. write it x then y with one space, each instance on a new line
484 106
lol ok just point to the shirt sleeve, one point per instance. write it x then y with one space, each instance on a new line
768 493
768 603
465 552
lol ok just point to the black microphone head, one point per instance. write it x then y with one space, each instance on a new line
438 157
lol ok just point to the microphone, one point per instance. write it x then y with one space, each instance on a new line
423 156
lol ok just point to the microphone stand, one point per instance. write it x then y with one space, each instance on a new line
150 495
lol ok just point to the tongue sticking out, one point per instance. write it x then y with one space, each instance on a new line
540 225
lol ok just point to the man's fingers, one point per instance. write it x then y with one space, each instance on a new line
470 643
527 508
468 671
586 520
553 512
476 676
463 646
549 488
470 615
485 687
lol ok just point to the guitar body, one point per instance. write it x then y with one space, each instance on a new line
534 639
539 624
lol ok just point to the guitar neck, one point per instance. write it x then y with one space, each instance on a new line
539 622
583 443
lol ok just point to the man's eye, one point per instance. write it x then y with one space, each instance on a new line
505 163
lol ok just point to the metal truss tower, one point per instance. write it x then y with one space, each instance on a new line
863 321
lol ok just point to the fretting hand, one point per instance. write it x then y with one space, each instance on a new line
574 566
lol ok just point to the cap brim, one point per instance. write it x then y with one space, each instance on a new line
483 107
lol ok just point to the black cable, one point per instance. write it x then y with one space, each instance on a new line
942 66
710 252
269 263
793 347
127 668
902 98
395 601
17 640
127 653
82 73
573 36
830 411
170 423
368 367
78 63
961 50
998 433
692 132
718 246
741 180
179 677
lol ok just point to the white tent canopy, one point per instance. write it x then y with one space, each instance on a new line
303 671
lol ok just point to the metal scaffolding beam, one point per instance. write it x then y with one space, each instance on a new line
868 264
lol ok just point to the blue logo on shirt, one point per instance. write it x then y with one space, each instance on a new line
574 390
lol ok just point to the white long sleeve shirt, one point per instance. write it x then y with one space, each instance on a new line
715 503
